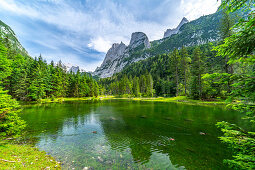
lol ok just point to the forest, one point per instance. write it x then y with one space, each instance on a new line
223 70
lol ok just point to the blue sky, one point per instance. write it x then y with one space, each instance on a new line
81 31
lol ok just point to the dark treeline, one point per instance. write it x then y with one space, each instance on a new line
32 79
141 86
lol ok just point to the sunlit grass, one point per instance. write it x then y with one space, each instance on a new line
178 99
14 156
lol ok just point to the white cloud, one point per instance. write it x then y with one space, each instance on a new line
193 9
11 6
100 44
101 23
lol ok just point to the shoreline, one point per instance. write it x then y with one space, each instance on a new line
24 156
179 100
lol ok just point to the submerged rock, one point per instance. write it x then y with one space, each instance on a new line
112 118
202 133
171 139
100 159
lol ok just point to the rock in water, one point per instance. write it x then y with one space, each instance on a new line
202 133
100 159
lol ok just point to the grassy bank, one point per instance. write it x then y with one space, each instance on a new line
14 156
179 99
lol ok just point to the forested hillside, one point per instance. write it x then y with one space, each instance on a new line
10 39
33 79
170 71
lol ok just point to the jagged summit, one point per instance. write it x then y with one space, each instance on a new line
114 52
196 32
138 38
118 53
170 32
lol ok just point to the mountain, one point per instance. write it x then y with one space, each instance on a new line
68 67
170 32
115 59
8 35
197 32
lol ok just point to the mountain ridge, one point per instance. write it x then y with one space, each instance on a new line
203 30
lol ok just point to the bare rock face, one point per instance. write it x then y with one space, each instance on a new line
170 32
117 56
137 39
114 52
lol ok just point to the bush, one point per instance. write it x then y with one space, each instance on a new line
10 122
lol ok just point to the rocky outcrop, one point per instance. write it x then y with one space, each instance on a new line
170 32
139 39
118 55
114 52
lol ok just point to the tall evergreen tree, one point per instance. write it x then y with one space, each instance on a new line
196 71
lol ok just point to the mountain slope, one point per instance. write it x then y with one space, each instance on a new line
117 55
200 31
8 35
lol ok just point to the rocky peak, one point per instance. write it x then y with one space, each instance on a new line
74 69
170 32
114 52
183 21
139 38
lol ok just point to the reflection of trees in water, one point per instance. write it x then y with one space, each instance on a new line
49 120
145 129
142 128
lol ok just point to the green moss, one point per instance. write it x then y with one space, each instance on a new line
25 157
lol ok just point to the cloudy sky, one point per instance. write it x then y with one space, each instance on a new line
81 31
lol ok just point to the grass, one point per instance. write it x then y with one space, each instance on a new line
14 156
179 99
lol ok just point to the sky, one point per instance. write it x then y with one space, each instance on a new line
81 31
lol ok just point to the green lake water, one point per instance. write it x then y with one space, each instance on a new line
129 135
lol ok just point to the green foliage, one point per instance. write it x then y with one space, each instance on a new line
197 70
4 62
132 86
240 48
172 73
10 122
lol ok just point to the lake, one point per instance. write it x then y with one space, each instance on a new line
122 134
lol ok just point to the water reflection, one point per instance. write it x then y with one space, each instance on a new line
129 134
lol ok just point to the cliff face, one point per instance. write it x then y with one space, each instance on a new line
170 32
114 52
118 55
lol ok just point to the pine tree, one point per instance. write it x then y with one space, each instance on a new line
175 63
196 71
136 89
185 66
